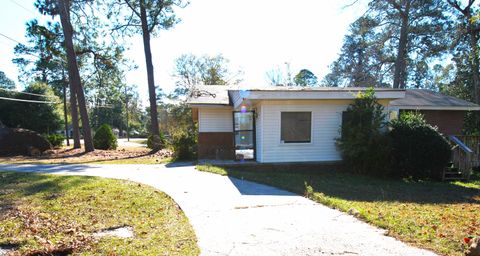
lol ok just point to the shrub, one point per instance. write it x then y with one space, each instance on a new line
363 145
419 151
156 142
56 140
21 142
183 143
104 138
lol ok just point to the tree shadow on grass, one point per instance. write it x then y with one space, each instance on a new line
361 188
15 186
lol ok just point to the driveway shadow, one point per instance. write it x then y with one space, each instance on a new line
356 187
46 168
256 189
179 164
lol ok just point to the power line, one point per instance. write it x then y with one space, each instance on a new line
13 40
23 7
37 15
28 93
9 38
29 101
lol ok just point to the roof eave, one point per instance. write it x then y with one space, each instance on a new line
457 108
204 105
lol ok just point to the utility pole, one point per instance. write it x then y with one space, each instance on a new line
65 105
126 111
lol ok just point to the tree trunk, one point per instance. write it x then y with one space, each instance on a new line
74 112
151 81
475 61
73 73
65 116
400 62
126 112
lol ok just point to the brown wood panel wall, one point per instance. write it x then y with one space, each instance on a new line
449 122
216 145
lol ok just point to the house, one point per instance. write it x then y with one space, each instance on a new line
298 124
445 112
274 124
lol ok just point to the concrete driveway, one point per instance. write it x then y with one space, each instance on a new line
237 217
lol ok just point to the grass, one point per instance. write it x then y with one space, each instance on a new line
431 215
57 215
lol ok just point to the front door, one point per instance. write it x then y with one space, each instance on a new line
244 125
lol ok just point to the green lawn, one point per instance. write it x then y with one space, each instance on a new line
431 215
49 214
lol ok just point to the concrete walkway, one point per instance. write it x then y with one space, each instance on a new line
236 217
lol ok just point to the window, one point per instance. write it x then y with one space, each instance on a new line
244 135
346 117
296 127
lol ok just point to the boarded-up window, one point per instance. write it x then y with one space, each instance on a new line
296 127
346 117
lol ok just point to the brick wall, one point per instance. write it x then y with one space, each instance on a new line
449 122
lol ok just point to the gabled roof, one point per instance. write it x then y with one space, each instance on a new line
429 100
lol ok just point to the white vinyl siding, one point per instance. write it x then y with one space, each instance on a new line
326 123
215 120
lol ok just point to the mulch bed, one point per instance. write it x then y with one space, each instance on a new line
78 155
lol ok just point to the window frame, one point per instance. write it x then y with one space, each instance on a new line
282 142
253 131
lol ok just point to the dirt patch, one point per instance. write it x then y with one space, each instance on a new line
79 156
121 232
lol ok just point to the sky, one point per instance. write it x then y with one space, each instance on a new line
255 35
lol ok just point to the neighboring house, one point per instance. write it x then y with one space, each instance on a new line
290 124
445 112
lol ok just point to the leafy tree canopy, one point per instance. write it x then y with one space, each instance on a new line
5 82
39 117
305 78
192 70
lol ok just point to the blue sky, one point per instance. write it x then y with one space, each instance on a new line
255 35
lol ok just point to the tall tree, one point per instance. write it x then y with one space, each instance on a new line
402 36
63 8
305 77
5 82
469 28
73 72
192 70
361 62
43 59
280 77
147 17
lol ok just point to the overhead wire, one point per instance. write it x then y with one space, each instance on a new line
25 100
23 7
28 93
29 101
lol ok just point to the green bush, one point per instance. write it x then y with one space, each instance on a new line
363 145
56 140
156 142
419 151
104 138
184 144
